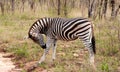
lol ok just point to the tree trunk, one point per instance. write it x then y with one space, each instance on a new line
23 4
12 5
58 10
2 7
32 5
113 8
100 9
90 8
117 10
52 3
65 8
7 6
73 3
105 8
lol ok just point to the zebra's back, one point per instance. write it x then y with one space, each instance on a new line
71 29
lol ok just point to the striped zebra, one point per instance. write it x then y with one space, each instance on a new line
62 29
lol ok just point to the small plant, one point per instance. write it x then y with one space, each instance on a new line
105 67
59 68
43 65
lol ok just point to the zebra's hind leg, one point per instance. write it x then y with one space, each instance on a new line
91 49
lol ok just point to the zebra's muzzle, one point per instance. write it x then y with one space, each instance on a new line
43 46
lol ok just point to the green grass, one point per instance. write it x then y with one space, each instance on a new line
105 67
21 52
13 28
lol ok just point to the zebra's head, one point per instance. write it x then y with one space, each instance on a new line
37 38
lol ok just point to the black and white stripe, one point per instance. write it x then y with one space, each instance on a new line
63 29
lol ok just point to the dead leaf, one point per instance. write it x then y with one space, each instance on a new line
61 53
75 55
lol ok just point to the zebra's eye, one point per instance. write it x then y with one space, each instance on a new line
31 32
35 34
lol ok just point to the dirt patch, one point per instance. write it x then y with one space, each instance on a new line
118 69
8 55
31 64
2 47
6 65
23 63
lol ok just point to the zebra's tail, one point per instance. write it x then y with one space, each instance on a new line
93 45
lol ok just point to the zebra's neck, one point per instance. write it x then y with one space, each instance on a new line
43 25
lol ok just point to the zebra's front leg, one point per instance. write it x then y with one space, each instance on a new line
44 55
40 61
48 44
54 50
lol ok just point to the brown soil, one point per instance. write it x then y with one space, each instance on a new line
6 64
31 64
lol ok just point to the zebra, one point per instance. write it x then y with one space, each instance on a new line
62 29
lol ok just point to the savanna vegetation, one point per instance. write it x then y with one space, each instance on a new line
16 17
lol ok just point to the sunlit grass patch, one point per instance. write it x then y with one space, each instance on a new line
26 17
20 51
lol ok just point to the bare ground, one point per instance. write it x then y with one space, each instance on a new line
6 64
